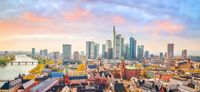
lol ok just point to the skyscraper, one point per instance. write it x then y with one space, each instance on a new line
90 45
184 54
33 52
103 51
140 51
122 47
132 48
108 45
76 56
170 50
56 56
45 52
146 54
96 51
67 51
109 53
114 42
161 56
126 51
118 47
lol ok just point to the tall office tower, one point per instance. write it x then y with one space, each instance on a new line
184 54
114 42
76 56
170 50
45 52
166 55
42 53
132 48
146 54
56 56
108 45
161 56
118 47
110 53
103 50
67 51
96 51
126 51
140 51
33 52
122 47
90 49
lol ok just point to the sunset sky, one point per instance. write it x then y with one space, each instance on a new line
47 24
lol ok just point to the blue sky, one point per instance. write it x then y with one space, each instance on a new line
50 23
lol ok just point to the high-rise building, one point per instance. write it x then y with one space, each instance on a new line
170 50
108 45
146 54
184 54
56 56
41 53
126 51
161 56
33 52
103 51
110 52
67 51
122 47
114 42
140 51
90 45
132 48
76 56
118 47
96 51
45 52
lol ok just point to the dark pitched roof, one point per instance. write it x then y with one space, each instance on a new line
92 66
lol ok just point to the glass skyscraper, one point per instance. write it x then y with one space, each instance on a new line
132 48
67 50
170 50
140 51
90 49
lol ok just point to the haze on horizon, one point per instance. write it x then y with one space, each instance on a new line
47 24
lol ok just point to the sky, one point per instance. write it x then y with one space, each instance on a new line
47 24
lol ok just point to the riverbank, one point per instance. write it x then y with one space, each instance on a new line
6 59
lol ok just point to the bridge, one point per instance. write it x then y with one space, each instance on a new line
4 80
24 62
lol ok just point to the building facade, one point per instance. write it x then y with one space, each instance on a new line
170 50
90 45
140 52
132 48
67 50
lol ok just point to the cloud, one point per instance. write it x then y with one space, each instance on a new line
77 14
29 16
168 26
162 26
116 19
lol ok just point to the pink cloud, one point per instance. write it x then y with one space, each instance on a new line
77 14
34 17
168 26
118 19
19 27
158 26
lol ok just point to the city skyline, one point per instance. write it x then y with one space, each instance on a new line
48 27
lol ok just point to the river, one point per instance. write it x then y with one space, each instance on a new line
9 72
